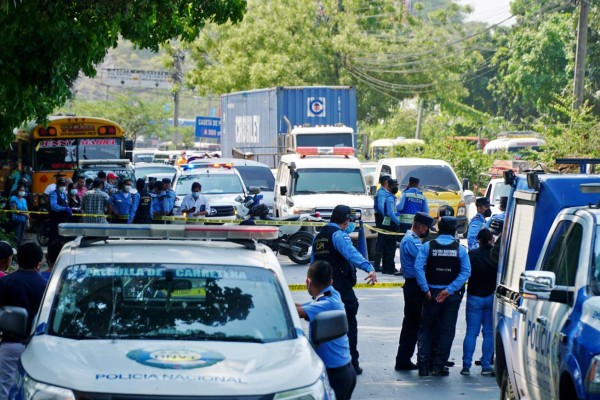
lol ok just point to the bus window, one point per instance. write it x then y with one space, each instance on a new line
99 149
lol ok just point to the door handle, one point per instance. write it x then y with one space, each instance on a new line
522 310
542 320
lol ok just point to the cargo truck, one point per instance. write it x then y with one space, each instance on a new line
264 124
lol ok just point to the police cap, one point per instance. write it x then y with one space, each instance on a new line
482 201
166 180
446 211
424 219
341 214
447 225
384 178
413 181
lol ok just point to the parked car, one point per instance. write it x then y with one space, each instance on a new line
143 169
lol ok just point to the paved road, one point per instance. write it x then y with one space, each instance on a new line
379 318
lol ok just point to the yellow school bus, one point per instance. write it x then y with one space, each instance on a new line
58 147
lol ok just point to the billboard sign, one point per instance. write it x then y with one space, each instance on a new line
137 78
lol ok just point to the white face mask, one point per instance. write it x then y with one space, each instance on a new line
62 189
127 188
21 193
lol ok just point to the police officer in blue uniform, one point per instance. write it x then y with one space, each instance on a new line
411 202
170 196
478 221
334 353
59 208
501 215
380 196
142 204
390 222
442 268
160 203
413 297
122 204
334 245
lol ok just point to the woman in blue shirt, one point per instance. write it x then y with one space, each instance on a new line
20 216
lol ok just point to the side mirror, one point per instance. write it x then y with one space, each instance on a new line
537 284
328 325
466 185
373 190
283 190
14 320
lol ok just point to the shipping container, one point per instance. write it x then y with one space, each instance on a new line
256 121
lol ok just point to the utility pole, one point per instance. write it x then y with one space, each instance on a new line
578 80
419 119
177 75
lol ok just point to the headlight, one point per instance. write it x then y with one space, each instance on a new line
35 390
592 381
320 390
368 214
303 211
462 210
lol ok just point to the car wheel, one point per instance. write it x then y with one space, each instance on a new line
506 389
301 245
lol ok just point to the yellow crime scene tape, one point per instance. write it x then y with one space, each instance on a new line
378 285
379 230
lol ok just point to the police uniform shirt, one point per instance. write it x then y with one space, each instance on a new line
122 203
380 194
170 201
421 261
411 202
476 224
409 248
334 353
501 217
343 244
386 205
160 203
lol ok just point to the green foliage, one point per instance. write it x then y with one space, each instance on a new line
44 45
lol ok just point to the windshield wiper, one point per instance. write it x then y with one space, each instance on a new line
437 188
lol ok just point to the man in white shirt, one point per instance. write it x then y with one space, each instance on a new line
195 204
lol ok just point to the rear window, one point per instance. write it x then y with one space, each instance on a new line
170 301
211 183
431 177
257 176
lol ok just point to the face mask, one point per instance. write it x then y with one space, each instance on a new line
62 189
394 189
127 188
195 194
487 213
350 228
73 192
21 193
424 235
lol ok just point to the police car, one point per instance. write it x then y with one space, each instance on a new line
547 309
221 184
157 312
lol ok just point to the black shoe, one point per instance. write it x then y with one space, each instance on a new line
440 372
424 372
449 364
398 273
358 370
409 366
478 362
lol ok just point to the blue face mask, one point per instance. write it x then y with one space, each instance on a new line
195 194
350 228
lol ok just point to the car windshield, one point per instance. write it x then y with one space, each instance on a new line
211 183
335 180
501 190
141 172
257 176
431 177
121 172
170 301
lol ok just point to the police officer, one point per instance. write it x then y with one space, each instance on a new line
442 268
142 204
59 208
478 221
170 196
411 202
334 245
380 196
501 215
160 203
390 222
122 204
413 297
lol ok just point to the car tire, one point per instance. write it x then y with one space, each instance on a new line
506 389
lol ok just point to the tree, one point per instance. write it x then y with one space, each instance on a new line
44 45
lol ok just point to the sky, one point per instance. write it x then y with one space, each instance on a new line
490 11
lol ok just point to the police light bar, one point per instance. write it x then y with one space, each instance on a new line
160 231
322 151
188 167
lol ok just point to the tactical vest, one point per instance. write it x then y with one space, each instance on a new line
443 263
344 274
142 214
61 202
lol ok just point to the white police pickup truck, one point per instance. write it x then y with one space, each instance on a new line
547 308
154 312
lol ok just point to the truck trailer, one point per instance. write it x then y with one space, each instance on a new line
264 124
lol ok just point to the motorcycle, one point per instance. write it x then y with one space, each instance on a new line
294 241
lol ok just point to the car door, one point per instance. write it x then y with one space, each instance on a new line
544 319
283 179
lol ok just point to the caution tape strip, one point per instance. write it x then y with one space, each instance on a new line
378 285
383 231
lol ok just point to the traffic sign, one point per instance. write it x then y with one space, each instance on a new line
136 78
208 127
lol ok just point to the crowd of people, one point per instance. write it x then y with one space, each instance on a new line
103 199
